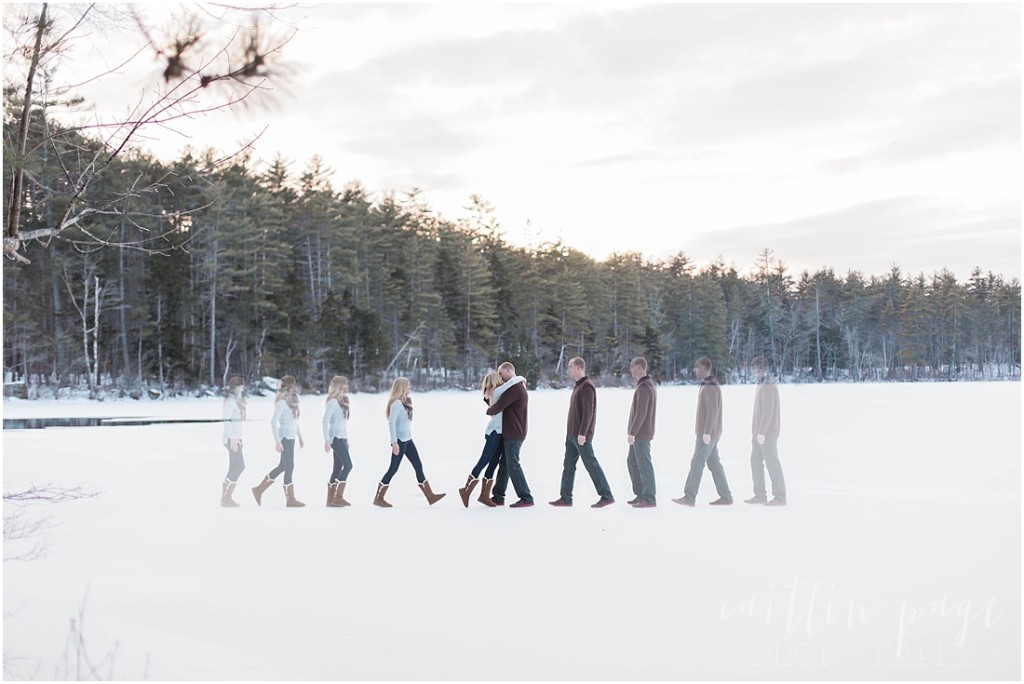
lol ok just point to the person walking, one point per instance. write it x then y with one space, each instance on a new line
285 426
708 430
579 440
234 414
513 406
335 428
639 434
399 415
493 388
764 428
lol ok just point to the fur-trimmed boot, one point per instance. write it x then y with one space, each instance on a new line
332 495
378 500
227 489
339 495
485 492
258 490
289 493
467 491
432 498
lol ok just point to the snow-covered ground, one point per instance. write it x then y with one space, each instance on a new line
899 556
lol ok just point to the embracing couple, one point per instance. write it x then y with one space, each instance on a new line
507 401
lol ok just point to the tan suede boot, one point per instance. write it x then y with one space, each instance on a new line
378 500
227 489
485 492
339 495
258 490
289 493
432 498
332 495
467 491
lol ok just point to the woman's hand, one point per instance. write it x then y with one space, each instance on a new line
394 448
279 447
327 447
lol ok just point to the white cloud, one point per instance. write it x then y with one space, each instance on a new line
627 126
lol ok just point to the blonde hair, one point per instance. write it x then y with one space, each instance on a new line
492 381
400 391
336 390
284 384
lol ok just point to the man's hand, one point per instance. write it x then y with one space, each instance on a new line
760 439
581 439
630 439
707 439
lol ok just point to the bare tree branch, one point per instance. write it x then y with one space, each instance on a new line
242 61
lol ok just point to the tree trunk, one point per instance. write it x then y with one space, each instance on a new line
160 343
213 317
58 320
121 317
18 179
96 332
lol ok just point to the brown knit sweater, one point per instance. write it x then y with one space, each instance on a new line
514 404
709 408
582 409
641 413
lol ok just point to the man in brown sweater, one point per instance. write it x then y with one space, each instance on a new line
764 429
513 408
579 438
639 433
708 430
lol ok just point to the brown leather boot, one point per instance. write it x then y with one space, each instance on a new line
467 491
339 495
485 492
227 489
289 493
378 500
332 495
258 490
432 498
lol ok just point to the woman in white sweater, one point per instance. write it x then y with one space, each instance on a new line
335 425
234 414
285 425
399 414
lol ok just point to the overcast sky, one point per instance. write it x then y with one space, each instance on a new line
852 136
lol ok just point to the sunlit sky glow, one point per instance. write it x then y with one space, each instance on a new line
852 136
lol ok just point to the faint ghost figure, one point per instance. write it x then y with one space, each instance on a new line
234 414
765 438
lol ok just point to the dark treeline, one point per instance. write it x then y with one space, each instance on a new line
281 274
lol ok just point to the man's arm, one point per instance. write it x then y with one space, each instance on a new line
768 399
588 397
511 396
712 397
643 406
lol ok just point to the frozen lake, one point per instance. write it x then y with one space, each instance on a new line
898 556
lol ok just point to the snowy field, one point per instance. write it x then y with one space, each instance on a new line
899 556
